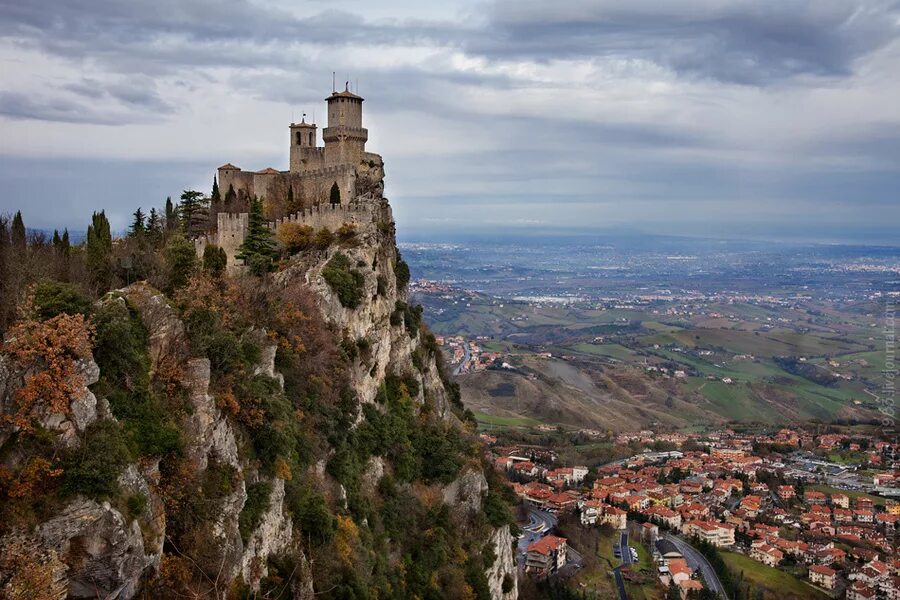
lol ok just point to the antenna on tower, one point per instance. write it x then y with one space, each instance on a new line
332 83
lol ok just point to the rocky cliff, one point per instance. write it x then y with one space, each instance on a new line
294 435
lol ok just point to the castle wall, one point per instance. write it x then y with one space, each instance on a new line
330 217
305 159
310 187
232 227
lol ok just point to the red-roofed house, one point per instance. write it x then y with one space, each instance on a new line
546 555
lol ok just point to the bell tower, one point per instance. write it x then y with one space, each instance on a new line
303 144
345 137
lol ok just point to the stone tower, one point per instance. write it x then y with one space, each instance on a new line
345 137
304 152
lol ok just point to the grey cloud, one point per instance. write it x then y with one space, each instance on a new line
21 106
742 41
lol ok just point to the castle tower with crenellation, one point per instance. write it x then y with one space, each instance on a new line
305 188
313 169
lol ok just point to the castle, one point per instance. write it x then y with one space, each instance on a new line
304 193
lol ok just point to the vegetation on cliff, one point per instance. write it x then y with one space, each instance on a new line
361 485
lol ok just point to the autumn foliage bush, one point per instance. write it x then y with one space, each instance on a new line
50 353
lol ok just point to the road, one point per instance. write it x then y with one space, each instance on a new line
464 361
620 583
540 523
696 560
624 550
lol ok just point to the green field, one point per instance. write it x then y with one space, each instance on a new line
611 350
777 583
501 421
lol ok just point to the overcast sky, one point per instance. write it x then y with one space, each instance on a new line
760 118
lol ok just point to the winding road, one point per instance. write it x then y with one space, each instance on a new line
466 356
696 560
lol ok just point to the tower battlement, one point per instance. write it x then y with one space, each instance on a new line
314 169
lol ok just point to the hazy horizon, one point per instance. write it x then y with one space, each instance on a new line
739 119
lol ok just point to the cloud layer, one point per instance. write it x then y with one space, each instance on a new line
741 116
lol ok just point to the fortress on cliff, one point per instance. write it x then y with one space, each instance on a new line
305 192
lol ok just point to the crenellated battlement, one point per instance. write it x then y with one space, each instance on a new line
232 227
230 222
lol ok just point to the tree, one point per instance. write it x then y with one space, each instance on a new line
18 235
230 198
296 237
171 215
335 196
258 250
214 260
154 227
215 198
291 208
99 252
193 212
181 258
138 225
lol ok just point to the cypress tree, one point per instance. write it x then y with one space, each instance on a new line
258 250
18 235
230 198
171 215
335 196
99 252
291 209
214 197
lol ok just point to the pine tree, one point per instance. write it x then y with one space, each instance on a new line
171 215
57 241
138 226
18 236
193 212
258 250
99 252
335 196
154 227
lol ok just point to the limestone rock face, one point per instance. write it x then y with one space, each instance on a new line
504 567
103 551
273 535
465 492
167 336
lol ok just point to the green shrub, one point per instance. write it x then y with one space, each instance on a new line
310 513
410 316
257 503
136 505
218 480
345 281
401 272
54 297
496 510
214 260
93 468
120 350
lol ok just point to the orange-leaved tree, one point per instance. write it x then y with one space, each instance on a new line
49 353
